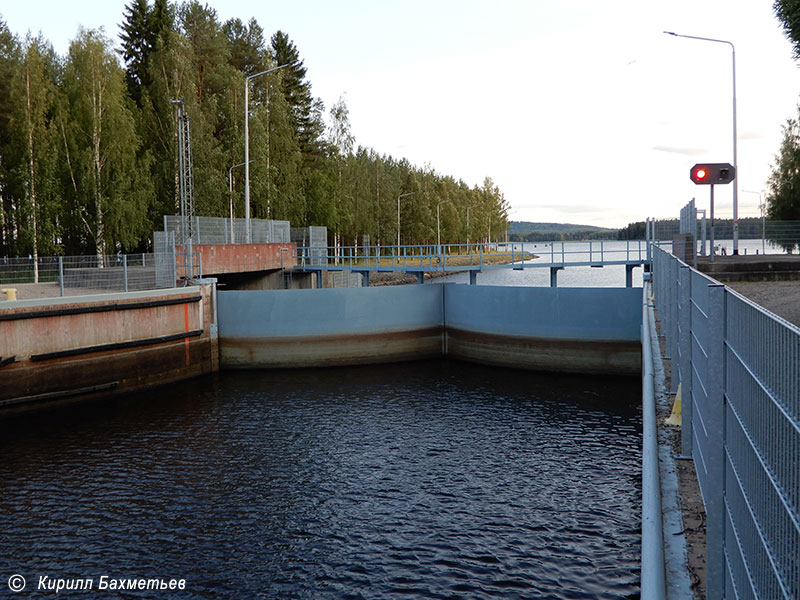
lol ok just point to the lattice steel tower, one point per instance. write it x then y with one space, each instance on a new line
185 183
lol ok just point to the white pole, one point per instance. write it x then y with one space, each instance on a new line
247 146
735 165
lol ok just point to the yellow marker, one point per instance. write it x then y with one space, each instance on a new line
675 418
11 293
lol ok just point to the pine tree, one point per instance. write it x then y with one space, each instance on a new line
248 51
788 13
297 91
142 30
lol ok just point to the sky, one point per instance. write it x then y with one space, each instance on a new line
580 111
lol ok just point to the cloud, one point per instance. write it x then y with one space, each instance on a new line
752 135
569 208
679 150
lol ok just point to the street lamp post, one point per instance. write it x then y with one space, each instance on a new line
398 216
230 190
247 160
735 165
438 230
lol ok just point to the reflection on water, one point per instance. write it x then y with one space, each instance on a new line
417 480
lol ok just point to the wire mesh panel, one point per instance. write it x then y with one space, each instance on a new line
28 270
119 273
279 232
312 245
222 230
164 258
70 275
743 408
259 231
347 279
762 476
318 238
688 222
699 385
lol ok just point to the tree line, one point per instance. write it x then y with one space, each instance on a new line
88 146
580 235
783 186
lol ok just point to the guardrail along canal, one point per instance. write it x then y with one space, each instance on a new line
429 479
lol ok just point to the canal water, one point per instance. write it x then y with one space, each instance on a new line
608 276
435 479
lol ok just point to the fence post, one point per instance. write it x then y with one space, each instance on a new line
715 453
682 365
174 258
61 275
672 325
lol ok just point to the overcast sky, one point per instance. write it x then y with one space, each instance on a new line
581 111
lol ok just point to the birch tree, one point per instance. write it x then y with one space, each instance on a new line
111 186
33 92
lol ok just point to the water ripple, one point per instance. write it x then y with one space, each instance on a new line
435 480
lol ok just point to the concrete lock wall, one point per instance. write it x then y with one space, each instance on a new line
584 330
327 327
85 346
565 329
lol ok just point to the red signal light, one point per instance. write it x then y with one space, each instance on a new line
712 173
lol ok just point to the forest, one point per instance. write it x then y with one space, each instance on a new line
88 146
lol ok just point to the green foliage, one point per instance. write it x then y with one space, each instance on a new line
788 13
783 197
109 175
783 194
88 142
633 231
144 29
33 146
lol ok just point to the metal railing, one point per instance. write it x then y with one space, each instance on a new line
739 370
50 276
759 236
431 257
653 575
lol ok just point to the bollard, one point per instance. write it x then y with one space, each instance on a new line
11 293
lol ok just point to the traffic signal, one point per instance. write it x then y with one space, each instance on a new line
712 173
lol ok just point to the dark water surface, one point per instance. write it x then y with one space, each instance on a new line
416 480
